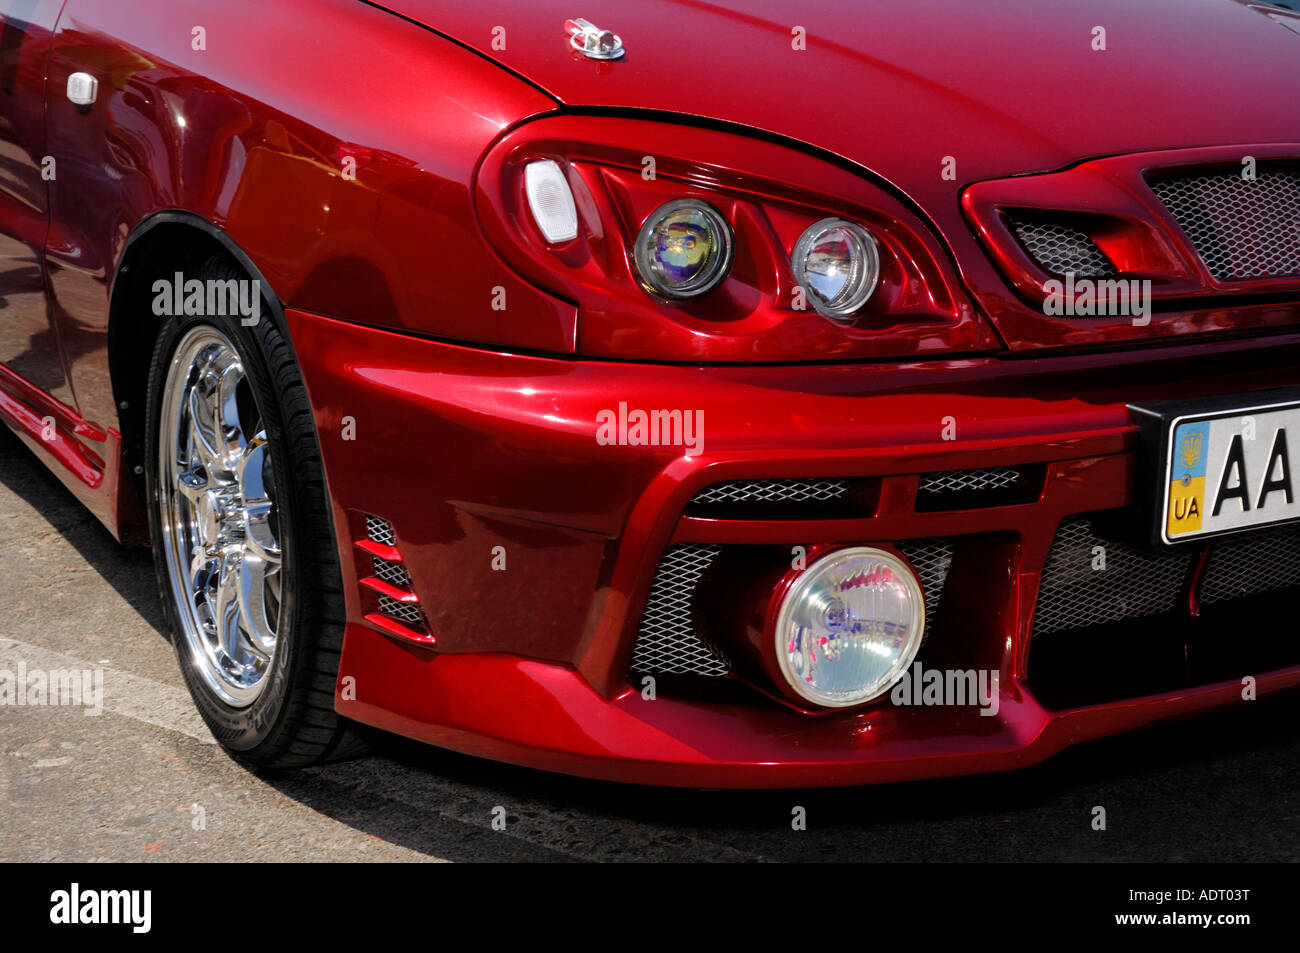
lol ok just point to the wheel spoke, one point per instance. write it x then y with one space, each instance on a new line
252 605
259 541
231 441
202 438
199 570
258 529
226 610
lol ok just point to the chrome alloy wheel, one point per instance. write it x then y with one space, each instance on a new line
220 528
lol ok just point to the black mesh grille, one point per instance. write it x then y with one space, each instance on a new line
1247 592
1243 229
1137 581
1059 248
1248 565
668 641
1141 581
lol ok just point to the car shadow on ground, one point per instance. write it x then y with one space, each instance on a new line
1215 788
1206 789
129 570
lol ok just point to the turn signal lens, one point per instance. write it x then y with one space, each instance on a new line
551 200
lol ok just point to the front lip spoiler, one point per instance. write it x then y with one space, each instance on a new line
554 720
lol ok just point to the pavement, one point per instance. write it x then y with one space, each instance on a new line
142 780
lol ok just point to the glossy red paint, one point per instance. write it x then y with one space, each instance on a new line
261 156
771 193
1110 201
552 637
475 425
900 90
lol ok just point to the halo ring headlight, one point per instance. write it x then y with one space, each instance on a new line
684 249
837 264
849 626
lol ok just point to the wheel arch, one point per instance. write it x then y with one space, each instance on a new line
167 242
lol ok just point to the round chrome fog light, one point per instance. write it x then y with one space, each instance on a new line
849 626
838 266
683 249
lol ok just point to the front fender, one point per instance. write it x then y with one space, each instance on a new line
333 142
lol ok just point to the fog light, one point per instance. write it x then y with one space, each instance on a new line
849 626
837 265
683 249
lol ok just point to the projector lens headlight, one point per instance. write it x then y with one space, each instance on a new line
849 626
683 249
838 265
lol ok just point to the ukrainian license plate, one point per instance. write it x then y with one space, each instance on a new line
1222 469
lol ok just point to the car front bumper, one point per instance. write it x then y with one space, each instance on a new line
532 546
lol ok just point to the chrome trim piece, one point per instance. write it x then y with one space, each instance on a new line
591 41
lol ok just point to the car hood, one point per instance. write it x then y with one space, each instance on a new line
1004 88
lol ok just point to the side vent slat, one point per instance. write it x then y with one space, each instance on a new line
388 588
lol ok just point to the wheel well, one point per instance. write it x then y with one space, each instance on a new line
161 247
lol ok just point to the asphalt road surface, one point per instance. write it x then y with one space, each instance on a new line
143 780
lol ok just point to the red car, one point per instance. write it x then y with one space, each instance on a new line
664 392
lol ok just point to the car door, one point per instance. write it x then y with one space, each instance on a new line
28 340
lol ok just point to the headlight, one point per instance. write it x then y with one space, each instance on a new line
691 264
849 626
683 249
838 266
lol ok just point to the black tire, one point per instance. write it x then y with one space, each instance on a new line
292 723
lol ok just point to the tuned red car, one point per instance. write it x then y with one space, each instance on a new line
692 394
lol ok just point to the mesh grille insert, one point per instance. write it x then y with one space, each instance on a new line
931 558
402 612
972 489
392 573
1059 248
1137 581
1243 229
1248 565
1142 581
773 491
379 530
963 481
666 641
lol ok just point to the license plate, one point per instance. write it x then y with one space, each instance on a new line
1222 469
